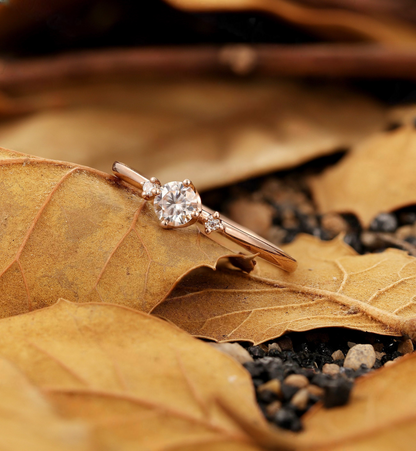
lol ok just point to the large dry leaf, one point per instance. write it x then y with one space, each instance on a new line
139 382
332 287
73 232
212 131
29 422
332 22
380 416
378 176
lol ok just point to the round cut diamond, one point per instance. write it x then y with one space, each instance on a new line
176 203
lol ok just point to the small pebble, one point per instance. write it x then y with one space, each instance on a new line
384 222
285 344
405 347
276 234
315 390
254 369
289 219
288 391
380 355
297 380
351 344
234 350
275 347
359 355
287 418
273 408
300 399
330 368
337 392
272 385
334 223
338 355
266 397
321 380
256 351
371 240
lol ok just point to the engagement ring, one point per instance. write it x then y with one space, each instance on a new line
178 204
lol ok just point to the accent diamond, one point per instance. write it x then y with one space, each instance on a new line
212 224
176 203
147 188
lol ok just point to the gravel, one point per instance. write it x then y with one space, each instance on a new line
312 369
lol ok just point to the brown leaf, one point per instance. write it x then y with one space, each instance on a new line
72 231
28 421
332 287
333 22
215 132
380 416
137 381
377 176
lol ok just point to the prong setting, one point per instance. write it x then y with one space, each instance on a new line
165 224
155 181
213 223
187 183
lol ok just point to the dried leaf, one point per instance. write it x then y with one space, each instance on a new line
332 287
239 130
380 416
72 231
139 382
333 22
28 421
377 176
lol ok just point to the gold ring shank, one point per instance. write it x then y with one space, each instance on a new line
231 231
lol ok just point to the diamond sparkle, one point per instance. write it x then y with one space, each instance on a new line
176 203
212 224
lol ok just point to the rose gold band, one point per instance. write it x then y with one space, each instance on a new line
231 231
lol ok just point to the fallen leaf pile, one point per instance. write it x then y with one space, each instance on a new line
105 376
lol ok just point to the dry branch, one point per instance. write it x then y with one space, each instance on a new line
362 61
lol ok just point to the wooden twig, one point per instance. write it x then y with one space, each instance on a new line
362 61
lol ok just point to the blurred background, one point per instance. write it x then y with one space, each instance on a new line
248 98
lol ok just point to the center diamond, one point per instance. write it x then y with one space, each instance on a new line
176 203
